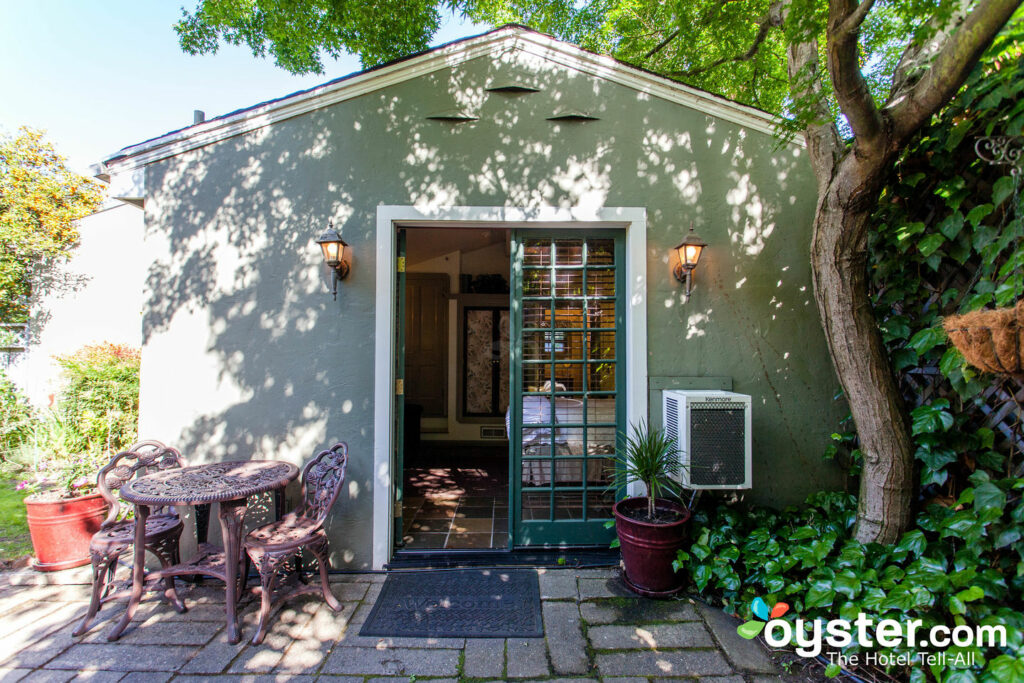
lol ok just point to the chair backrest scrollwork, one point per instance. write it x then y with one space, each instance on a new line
136 461
322 478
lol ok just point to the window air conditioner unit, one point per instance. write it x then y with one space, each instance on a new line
712 432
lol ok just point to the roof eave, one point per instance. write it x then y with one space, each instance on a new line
450 54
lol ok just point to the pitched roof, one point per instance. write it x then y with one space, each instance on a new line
444 56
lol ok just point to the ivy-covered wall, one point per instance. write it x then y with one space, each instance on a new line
949 238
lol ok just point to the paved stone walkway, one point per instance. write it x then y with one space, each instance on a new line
594 630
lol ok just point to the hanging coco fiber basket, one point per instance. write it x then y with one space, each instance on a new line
992 340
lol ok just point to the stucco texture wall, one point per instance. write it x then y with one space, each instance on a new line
246 355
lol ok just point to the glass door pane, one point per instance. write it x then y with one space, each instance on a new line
567 375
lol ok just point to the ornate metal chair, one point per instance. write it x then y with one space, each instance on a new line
117 534
272 545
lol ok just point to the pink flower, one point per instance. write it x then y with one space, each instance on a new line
80 482
21 485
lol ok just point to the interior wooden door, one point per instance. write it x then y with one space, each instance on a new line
426 342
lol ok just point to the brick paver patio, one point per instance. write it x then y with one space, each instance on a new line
594 630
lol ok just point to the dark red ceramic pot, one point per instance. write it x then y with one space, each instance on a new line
61 530
648 549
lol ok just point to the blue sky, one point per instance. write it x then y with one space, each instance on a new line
98 76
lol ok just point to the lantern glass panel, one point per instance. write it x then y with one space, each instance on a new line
333 251
691 254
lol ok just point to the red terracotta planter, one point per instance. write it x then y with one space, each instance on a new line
61 530
648 549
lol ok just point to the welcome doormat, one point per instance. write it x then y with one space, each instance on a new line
458 603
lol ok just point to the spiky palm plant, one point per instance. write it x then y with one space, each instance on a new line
649 456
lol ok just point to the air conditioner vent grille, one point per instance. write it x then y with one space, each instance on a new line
708 405
672 417
717 446
492 432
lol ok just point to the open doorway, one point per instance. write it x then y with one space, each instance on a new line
455 478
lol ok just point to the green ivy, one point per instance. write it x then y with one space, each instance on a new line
962 564
949 238
949 229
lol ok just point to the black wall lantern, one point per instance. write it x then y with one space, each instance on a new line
334 255
689 251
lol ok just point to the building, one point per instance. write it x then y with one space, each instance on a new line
95 297
510 205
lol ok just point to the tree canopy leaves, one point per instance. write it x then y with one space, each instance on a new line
731 48
736 48
40 199
298 34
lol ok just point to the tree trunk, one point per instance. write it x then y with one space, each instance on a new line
849 183
839 263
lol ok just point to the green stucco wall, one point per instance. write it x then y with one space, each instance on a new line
246 355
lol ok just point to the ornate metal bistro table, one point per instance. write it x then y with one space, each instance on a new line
227 483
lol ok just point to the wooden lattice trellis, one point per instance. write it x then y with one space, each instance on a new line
1000 408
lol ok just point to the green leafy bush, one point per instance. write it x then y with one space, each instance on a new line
96 415
100 400
51 461
15 416
948 238
962 564
949 234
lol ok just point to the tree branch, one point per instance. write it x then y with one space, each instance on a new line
855 101
917 55
764 25
954 60
853 22
661 46
823 142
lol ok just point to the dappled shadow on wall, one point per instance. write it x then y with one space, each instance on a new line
239 289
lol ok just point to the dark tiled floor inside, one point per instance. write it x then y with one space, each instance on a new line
456 498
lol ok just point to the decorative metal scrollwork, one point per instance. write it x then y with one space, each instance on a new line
322 481
272 545
127 465
1002 150
117 534
209 483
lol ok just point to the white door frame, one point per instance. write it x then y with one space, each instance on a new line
389 218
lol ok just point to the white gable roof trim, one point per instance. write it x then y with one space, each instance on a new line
453 54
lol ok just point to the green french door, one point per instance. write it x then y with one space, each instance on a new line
567 400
